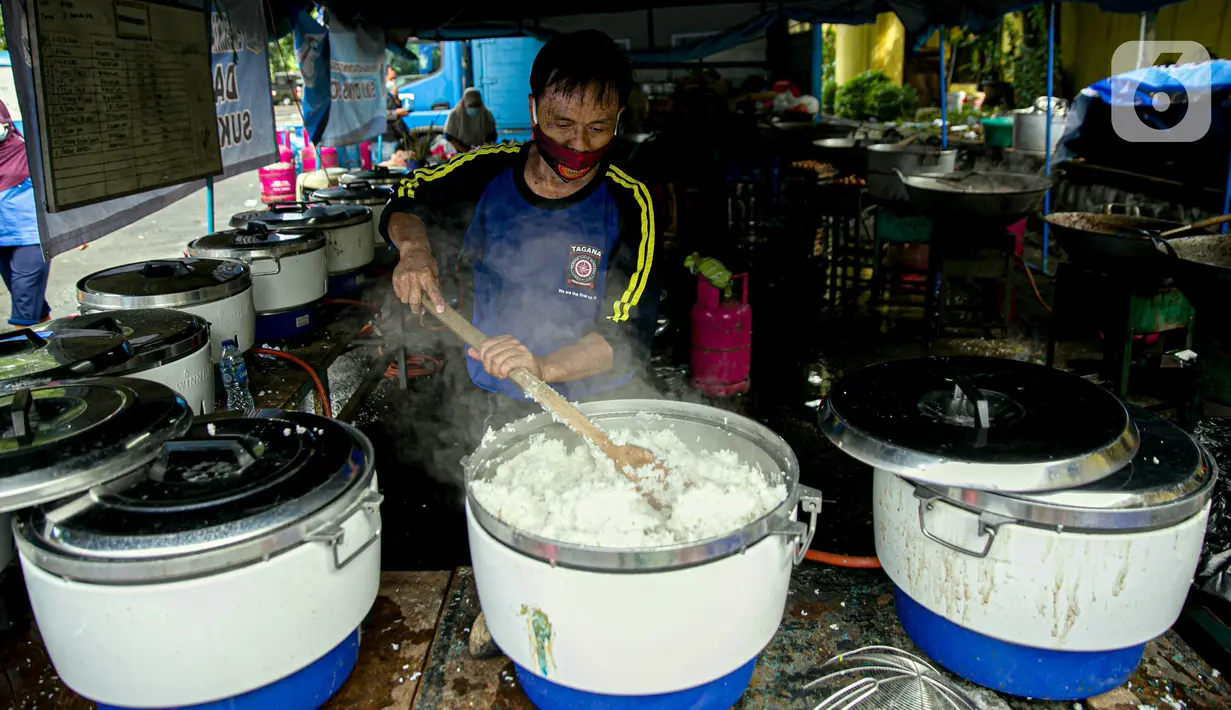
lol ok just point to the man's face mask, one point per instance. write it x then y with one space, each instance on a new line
472 111
566 162
391 87
4 131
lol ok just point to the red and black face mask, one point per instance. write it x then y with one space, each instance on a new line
568 163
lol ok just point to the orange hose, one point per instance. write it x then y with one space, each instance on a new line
416 366
829 558
326 407
351 302
1033 285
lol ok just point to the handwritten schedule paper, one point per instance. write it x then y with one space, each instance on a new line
125 98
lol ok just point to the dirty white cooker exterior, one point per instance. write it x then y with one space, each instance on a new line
350 247
600 642
192 376
280 284
210 637
231 318
1068 591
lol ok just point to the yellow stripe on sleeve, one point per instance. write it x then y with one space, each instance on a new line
410 183
645 250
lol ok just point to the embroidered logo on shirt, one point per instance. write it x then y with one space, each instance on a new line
583 265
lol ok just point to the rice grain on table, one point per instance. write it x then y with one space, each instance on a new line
576 495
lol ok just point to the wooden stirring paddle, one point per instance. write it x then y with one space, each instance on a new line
625 457
1197 225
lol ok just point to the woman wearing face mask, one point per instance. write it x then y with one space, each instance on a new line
470 124
21 257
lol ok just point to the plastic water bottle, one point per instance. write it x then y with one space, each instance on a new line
235 378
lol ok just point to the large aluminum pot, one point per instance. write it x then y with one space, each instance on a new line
886 159
639 621
1030 126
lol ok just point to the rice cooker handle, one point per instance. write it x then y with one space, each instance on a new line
988 524
164 269
810 501
334 533
289 206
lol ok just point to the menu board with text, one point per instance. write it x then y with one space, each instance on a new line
125 98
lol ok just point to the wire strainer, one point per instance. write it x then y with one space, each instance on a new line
886 678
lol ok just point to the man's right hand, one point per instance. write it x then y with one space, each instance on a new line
415 275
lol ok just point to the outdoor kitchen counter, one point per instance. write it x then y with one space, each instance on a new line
414 652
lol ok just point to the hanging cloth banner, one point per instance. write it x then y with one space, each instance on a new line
241 86
356 80
312 51
61 231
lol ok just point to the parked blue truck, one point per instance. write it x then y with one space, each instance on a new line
499 68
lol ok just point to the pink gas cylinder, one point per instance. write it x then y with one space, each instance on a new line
365 155
721 340
329 157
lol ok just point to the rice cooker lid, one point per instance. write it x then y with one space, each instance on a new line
305 215
255 240
59 350
1170 480
357 192
980 423
168 283
65 438
157 335
378 175
231 491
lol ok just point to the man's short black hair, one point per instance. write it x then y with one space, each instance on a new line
575 61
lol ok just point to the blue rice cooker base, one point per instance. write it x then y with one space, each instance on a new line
1027 672
718 694
286 324
305 689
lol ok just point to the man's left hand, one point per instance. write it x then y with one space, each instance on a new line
503 354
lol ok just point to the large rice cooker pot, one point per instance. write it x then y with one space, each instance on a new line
235 566
218 291
65 438
1029 506
288 268
169 346
639 621
348 229
32 356
357 192
378 175
885 158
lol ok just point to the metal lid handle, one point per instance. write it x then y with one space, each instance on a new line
965 388
20 408
32 339
164 269
289 206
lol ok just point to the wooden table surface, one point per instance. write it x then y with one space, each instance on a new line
414 653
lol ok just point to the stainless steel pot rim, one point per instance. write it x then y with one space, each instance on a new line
216 292
657 559
199 561
915 149
932 470
366 201
308 241
1039 513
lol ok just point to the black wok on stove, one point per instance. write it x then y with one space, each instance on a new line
1202 270
1118 244
976 196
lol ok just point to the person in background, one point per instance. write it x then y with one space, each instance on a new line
470 124
395 130
22 265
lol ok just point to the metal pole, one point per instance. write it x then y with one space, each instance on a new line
209 204
944 111
380 151
1051 65
1226 197
1141 38
818 62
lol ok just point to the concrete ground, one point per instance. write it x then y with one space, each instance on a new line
162 235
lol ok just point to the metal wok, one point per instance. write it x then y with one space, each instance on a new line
976 196
1117 243
849 156
1202 269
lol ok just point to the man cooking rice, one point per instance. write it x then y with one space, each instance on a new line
560 243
